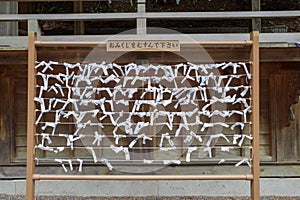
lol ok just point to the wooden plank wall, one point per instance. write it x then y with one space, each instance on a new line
279 133
5 121
17 93
20 106
13 112
285 85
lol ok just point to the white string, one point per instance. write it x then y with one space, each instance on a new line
201 74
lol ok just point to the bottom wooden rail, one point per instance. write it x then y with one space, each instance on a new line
142 177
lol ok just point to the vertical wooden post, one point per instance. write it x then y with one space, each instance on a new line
141 23
33 26
78 25
256 22
30 167
255 183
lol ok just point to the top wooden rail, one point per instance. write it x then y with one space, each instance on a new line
152 15
82 44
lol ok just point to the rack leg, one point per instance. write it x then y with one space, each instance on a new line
255 183
30 167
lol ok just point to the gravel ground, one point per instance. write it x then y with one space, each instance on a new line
18 197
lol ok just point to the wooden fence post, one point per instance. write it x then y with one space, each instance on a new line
141 23
256 22
30 167
78 25
255 183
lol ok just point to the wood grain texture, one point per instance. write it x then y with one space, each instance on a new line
30 169
5 122
254 57
151 15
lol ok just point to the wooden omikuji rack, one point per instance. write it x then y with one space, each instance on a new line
31 176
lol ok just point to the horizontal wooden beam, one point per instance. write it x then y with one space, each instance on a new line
217 54
268 169
8 57
267 40
142 177
152 15
82 44
222 15
69 16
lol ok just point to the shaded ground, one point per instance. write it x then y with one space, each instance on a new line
17 197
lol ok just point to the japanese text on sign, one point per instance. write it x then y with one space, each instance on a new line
143 45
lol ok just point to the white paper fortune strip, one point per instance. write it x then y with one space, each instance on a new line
77 94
